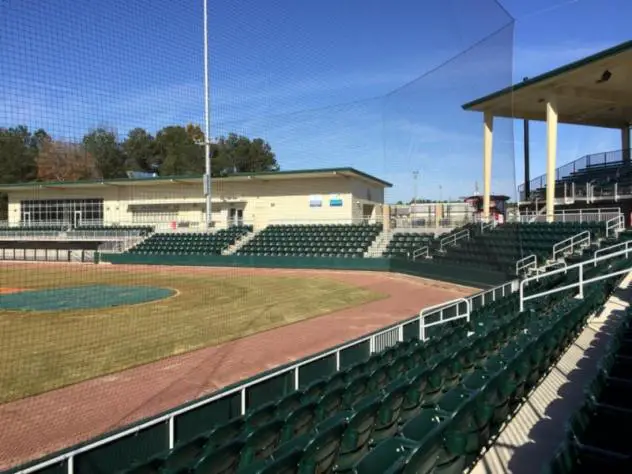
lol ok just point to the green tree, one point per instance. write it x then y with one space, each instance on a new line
140 151
104 147
239 154
18 150
178 152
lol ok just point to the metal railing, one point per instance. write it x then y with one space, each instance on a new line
376 342
423 251
453 239
488 225
626 245
546 267
441 309
527 263
615 158
572 215
579 284
615 225
568 245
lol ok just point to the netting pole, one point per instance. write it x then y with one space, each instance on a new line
207 125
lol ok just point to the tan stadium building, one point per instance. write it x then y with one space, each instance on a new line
335 195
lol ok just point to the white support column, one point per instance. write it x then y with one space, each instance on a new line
625 143
551 157
488 132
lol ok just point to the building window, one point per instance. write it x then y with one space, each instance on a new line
61 212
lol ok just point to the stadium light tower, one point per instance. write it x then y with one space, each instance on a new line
207 126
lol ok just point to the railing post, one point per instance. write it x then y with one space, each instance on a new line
422 329
243 401
71 464
296 377
172 432
521 296
581 281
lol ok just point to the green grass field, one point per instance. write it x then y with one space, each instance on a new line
40 351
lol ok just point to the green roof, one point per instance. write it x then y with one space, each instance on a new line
606 53
347 170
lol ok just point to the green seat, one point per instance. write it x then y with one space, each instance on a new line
357 437
388 457
321 453
261 443
388 415
299 422
330 403
222 460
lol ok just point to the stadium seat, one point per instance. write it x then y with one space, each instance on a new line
191 243
339 241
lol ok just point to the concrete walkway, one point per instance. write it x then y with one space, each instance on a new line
530 439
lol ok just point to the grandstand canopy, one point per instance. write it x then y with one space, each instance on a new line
593 91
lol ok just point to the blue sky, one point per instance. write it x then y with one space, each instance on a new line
369 84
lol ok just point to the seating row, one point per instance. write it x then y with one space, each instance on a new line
312 240
598 434
191 244
405 244
416 407
500 248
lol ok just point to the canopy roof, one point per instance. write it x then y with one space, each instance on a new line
594 91
197 180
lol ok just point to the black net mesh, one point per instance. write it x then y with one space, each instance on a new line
96 93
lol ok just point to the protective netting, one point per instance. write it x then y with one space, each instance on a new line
94 93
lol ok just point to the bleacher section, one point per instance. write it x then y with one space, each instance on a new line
598 435
416 407
191 243
404 244
601 176
336 240
508 243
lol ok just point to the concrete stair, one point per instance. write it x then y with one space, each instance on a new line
379 245
239 243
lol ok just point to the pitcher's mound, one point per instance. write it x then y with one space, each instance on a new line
81 297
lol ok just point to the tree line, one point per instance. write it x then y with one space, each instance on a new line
176 150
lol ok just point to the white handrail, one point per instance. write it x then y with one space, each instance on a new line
614 225
545 268
626 244
421 251
593 261
442 307
454 238
583 238
526 263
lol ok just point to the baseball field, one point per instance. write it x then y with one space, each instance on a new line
86 349
62 324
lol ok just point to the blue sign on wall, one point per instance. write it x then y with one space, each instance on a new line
335 202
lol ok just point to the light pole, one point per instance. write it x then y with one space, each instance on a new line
207 126
415 176
413 207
